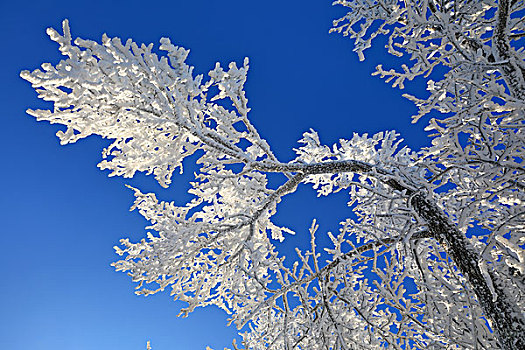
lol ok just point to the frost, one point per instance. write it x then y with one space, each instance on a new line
408 268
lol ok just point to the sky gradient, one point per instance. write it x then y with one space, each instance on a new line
62 216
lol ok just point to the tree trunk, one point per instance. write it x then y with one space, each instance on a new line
504 316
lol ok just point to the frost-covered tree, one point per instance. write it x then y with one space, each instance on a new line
433 255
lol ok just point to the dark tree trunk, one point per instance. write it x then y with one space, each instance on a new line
506 319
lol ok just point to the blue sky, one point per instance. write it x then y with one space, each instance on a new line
61 215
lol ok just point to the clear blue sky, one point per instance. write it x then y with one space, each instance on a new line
61 215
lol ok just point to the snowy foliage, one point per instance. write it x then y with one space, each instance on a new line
433 256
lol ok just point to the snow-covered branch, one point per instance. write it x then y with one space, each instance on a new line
405 269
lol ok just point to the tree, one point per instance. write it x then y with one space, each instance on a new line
433 256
